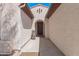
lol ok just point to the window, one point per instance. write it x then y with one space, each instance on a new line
39 10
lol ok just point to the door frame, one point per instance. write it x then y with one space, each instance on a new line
36 27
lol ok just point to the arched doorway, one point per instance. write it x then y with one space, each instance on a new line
39 27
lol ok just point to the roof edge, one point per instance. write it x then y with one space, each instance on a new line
52 9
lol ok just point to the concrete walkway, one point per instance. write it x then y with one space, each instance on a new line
47 48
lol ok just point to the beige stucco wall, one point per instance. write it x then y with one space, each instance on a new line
64 28
46 22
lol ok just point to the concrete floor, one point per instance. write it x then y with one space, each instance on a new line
47 48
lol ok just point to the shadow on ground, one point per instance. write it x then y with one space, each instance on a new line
47 48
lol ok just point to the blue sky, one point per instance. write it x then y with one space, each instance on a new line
33 4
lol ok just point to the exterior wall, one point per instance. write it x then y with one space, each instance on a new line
14 28
26 30
41 15
64 28
10 27
26 21
46 22
38 16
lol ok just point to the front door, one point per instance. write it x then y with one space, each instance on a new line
40 28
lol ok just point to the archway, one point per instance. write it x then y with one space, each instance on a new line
39 28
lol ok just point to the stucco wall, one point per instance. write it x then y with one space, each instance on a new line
46 22
64 28
39 16
10 27
26 21
26 31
